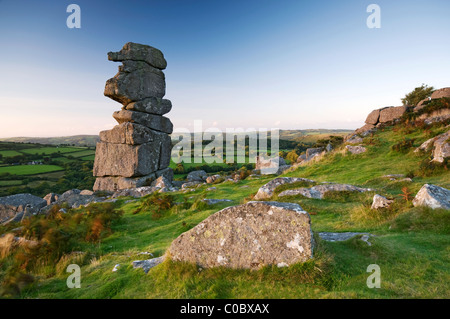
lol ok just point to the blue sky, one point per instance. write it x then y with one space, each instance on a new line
249 64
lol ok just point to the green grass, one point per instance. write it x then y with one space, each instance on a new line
29 169
10 183
88 158
410 244
9 153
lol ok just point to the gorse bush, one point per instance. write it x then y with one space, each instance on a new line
417 95
45 239
156 204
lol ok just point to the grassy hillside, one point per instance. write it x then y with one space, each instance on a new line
410 244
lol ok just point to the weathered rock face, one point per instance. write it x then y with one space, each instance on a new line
115 183
432 196
391 113
319 191
154 122
444 92
373 117
268 189
151 105
139 52
248 236
134 82
138 150
10 206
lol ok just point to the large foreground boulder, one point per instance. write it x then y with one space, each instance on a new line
432 196
251 235
12 205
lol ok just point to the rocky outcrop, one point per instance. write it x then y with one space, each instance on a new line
136 151
74 198
268 189
432 196
438 94
13 206
440 146
380 202
319 191
249 236
276 165
381 116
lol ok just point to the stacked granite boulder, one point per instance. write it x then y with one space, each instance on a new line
137 151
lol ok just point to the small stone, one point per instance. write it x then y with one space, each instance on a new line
380 202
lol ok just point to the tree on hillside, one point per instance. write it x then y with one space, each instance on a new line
417 95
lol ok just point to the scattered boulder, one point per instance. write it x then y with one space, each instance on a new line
355 139
147 264
329 147
274 165
340 236
11 206
162 182
197 176
211 201
248 236
213 179
380 202
366 130
267 190
136 192
191 184
319 191
440 145
432 196
356 149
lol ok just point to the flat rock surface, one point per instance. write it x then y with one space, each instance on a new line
267 190
251 235
339 236
319 191
154 122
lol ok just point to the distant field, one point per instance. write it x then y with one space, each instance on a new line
82 153
88 158
9 153
10 183
29 169
51 150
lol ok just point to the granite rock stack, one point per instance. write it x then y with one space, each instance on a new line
137 151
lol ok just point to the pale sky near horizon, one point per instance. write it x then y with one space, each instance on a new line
249 64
